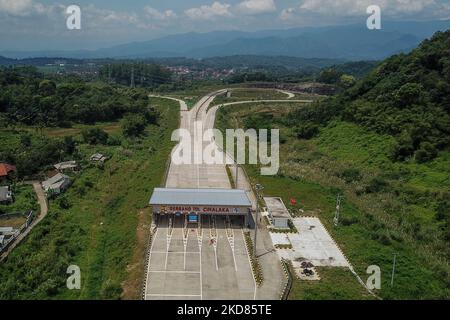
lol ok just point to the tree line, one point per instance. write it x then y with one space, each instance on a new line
28 98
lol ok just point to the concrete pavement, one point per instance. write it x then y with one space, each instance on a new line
223 270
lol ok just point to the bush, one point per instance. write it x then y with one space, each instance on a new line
377 184
111 290
403 148
114 140
95 136
351 175
348 221
133 125
307 131
63 202
426 152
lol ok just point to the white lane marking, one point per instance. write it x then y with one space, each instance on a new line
168 271
230 237
201 275
250 263
185 240
177 252
169 240
172 295
149 258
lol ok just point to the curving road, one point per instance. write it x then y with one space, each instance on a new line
215 176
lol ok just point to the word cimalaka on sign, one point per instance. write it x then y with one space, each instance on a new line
202 209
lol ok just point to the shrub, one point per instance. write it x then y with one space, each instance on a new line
111 290
63 202
351 175
133 125
403 148
94 136
307 131
426 152
346 221
114 140
377 184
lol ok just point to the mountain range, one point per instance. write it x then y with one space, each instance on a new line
348 42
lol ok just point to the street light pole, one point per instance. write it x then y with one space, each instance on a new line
237 174
258 187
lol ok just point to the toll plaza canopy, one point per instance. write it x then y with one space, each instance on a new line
200 201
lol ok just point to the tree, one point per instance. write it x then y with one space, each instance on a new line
330 76
307 131
133 125
47 87
426 152
94 136
347 80
403 148
69 145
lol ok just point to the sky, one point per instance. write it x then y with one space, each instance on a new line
41 24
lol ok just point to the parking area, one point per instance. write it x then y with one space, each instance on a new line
195 263
312 243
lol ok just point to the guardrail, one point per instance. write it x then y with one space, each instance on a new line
288 286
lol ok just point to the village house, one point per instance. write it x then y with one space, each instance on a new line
56 184
98 157
7 172
66 166
6 195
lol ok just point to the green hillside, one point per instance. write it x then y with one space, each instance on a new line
407 97
384 145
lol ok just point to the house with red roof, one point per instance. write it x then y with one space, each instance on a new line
7 172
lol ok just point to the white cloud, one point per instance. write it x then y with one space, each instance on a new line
152 13
358 7
18 7
287 14
256 6
206 12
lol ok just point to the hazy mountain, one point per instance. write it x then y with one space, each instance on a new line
352 42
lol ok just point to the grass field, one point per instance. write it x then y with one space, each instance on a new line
75 130
334 285
24 200
395 217
105 229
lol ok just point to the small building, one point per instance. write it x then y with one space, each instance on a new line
278 212
197 203
98 157
7 172
7 231
66 166
57 184
6 195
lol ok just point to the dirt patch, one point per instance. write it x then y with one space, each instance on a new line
132 286
15 222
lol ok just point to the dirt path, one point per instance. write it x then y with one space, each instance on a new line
42 199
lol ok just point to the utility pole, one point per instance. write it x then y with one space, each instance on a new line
314 83
132 85
109 73
237 175
258 188
338 210
393 270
